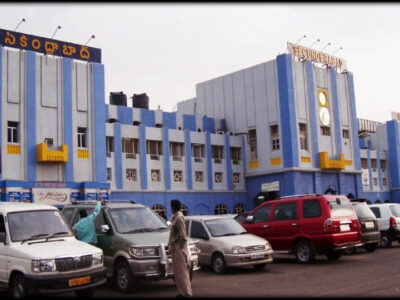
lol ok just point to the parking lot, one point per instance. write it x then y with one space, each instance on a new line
360 275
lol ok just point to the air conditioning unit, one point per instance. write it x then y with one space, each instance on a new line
108 154
155 176
178 176
218 178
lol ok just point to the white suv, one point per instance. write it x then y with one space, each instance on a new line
388 215
40 255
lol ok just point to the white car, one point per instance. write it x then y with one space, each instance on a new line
39 253
388 215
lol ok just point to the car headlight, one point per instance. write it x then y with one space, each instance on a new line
47 265
143 252
97 259
267 246
238 250
193 249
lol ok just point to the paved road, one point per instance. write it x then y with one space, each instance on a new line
360 275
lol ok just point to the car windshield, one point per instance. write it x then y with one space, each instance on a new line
395 209
340 207
224 227
36 224
363 210
136 219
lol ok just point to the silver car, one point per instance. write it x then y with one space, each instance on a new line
225 243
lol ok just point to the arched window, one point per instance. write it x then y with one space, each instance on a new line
184 210
160 210
239 208
221 209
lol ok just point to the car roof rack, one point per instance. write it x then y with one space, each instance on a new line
298 195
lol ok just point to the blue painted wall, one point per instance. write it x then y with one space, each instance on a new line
210 176
336 108
169 120
167 169
313 113
31 115
124 115
68 126
148 117
118 156
228 162
143 155
208 124
189 122
392 128
188 154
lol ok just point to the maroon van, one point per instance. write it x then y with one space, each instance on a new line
306 225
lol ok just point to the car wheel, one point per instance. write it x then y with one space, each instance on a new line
86 293
18 287
371 247
304 252
334 255
259 266
350 250
124 278
386 241
218 263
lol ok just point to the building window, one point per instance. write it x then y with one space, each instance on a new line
364 163
130 147
253 144
177 151
82 137
160 210
49 142
198 176
131 175
221 209
218 177
345 133
275 137
375 181
384 181
109 145
155 175
383 165
373 164
303 135
198 152
178 176
236 155
217 153
236 177
184 210
12 132
325 130
109 177
239 208
154 148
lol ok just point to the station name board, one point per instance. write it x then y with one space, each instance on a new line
49 46
317 56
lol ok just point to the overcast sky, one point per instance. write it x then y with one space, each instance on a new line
164 50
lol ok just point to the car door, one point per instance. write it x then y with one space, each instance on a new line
261 222
3 253
284 226
197 231
105 239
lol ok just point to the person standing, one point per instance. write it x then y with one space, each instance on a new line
178 246
84 229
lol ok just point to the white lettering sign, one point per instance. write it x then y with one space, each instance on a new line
51 196
270 186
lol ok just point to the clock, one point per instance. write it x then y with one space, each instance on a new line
322 98
324 116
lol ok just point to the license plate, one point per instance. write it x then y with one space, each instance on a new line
257 255
369 225
79 281
345 227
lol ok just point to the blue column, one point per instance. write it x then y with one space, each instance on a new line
336 107
189 122
378 158
188 160
369 166
31 115
392 128
313 114
244 155
143 155
228 162
356 145
1 99
209 161
99 129
167 168
287 111
67 107
118 155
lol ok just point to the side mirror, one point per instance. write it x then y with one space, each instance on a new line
2 237
249 219
104 228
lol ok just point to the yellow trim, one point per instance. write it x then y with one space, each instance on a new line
305 159
13 149
83 153
254 164
326 96
326 163
276 161
43 154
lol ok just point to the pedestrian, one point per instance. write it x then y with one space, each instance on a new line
179 251
85 229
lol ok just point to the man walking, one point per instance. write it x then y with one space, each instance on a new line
84 229
179 250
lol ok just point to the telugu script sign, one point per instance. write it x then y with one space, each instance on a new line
49 46
317 56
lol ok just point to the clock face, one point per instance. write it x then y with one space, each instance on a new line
322 98
324 116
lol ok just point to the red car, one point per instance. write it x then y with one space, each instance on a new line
306 225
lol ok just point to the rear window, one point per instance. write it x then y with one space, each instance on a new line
363 210
395 209
340 207
376 211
